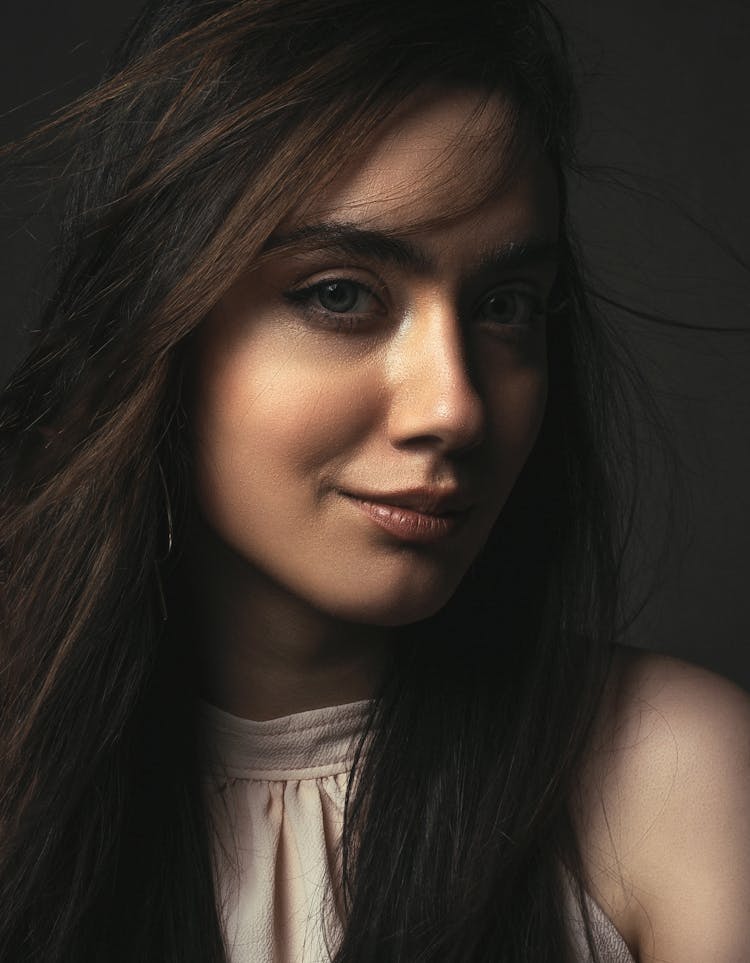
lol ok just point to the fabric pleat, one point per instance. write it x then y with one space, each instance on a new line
276 792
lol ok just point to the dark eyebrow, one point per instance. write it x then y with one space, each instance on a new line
348 240
531 252
352 241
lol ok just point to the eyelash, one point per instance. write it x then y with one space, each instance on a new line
534 309
339 320
347 321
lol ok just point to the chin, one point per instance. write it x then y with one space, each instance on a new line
391 611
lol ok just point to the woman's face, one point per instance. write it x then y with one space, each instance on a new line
365 403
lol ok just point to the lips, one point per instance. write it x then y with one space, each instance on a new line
417 515
427 501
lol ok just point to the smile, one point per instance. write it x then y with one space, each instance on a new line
410 524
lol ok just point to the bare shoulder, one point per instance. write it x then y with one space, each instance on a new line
665 811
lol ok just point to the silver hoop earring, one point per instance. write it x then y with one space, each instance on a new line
159 561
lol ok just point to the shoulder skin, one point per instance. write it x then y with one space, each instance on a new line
664 811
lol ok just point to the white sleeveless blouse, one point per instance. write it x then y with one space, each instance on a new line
276 790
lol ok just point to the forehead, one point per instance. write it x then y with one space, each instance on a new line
445 153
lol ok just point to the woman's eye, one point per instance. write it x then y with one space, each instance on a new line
515 308
338 296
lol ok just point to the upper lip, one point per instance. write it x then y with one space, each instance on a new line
430 501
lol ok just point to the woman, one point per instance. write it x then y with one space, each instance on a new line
313 510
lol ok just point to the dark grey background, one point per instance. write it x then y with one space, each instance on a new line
665 88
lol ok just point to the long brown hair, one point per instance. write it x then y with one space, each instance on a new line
216 120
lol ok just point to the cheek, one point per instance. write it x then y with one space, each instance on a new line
515 413
265 421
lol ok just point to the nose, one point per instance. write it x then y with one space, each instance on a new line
434 400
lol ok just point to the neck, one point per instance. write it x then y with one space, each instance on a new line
263 653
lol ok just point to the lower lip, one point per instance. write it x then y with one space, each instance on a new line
408 524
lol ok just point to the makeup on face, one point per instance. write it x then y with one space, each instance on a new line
367 394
